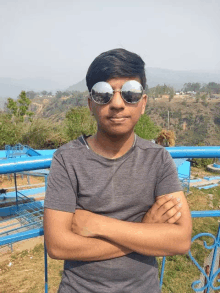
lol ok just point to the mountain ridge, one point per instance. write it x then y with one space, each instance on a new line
11 87
174 78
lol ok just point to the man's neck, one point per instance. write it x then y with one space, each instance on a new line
111 147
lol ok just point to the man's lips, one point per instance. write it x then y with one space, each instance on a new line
118 118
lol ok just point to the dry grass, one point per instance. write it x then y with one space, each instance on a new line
6 183
180 272
26 274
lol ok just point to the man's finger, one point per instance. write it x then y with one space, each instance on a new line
163 199
169 209
175 218
169 206
162 205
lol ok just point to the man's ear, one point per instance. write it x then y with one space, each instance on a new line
144 103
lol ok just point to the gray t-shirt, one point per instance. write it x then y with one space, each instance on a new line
123 188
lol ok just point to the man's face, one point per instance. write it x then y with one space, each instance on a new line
117 117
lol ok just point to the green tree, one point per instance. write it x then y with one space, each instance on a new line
19 108
59 94
160 90
12 107
197 97
204 97
191 87
31 94
213 87
146 128
10 132
44 93
171 94
23 105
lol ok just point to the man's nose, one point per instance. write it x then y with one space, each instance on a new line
117 100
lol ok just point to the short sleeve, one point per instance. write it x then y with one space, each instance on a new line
167 180
61 187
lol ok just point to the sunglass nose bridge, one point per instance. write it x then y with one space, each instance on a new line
117 91
117 99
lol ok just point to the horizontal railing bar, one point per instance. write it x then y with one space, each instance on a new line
204 214
43 162
28 185
40 222
21 236
194 152
25 164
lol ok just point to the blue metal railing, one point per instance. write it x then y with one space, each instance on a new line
210 278
20 150
41 162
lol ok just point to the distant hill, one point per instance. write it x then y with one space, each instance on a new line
177 78
174 78
10 87
79 86
194 122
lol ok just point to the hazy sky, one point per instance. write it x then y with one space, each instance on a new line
59 39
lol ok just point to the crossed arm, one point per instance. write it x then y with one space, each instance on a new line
164 230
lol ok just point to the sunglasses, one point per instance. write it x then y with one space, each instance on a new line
131 92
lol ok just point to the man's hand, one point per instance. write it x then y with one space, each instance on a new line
159 234
86 223
166 209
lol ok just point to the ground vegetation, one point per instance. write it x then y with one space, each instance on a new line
23 269
48 121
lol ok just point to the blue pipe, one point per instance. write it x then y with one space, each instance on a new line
195 152
42 162
25 164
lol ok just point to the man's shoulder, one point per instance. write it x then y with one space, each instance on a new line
70 147
147 144
146 147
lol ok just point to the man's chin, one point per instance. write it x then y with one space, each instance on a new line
117 133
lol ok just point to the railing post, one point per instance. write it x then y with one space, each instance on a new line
45 252
16 190
45 269
162 271
211 273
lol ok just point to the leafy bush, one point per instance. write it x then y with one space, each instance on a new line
43 134
79 121
146 128
203 162
10 133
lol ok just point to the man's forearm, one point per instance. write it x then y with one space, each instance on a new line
86 249
148 239
63 244
145 238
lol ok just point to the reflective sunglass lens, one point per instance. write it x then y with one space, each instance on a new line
102 92
131 97
132 91
101 98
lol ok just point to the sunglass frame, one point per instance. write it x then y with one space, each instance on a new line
115 91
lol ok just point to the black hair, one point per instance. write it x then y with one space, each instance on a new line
115 63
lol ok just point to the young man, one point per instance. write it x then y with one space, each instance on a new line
114 200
